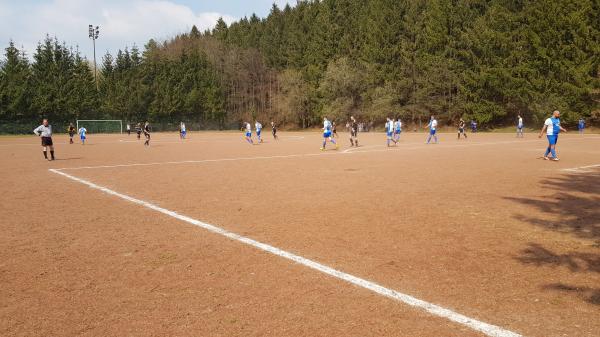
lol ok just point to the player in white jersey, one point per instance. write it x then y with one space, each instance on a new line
520 126
552 128
249 133
327 126
397 130
182 130
433 123
389 131
258 128
82 131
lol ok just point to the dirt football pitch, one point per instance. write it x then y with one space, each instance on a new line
212 236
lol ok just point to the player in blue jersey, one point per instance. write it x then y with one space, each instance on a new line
327 126
520 126
389 131
182 130
552 128
397 130
258 128
581 125
248 133
82 131
432 129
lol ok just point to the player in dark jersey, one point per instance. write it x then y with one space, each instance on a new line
147 133
461 128
274 130
138 130
334 130
353 132
71 131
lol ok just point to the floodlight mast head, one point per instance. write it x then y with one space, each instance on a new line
93 32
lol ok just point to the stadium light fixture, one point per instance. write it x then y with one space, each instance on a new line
93 33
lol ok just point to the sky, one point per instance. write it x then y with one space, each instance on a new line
122 23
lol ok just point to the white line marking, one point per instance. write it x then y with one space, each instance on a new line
197 161
582 169
358 150
360 147
488 329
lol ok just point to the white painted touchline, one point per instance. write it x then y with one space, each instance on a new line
352 149
581 168
436 310
358 150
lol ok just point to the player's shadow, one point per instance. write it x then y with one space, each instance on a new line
573 209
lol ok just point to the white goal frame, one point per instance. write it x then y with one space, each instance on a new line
101 120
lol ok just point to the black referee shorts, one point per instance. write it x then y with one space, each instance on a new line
47 141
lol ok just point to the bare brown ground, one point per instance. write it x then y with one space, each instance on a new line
482 227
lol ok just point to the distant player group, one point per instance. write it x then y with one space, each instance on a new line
393 128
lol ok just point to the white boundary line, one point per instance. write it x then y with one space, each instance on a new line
436 310
581 169
355 150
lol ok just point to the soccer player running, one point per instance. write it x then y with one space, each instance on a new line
327 133
45 132
389 131
147 133
182 131
581 126
334 130
520 126
138 130
258 128
461 128
274 130
397 130
82 131
432 129
71 131
552 128
249 133
353 132
128 129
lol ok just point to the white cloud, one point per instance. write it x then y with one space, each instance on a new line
122 23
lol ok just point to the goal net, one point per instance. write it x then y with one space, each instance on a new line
101 125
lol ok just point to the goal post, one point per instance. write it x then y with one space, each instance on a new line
101 125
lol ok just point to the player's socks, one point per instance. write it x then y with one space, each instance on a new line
52 155
45 154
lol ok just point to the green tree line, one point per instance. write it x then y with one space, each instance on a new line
486 60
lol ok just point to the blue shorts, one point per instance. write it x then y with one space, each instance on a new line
552 139
432 132
248 134
389 133
397 132
327 134
258 132
184 132
82 137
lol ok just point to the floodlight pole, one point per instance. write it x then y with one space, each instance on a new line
93 34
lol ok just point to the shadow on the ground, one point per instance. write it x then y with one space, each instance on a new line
573 208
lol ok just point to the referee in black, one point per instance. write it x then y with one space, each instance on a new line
45 132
